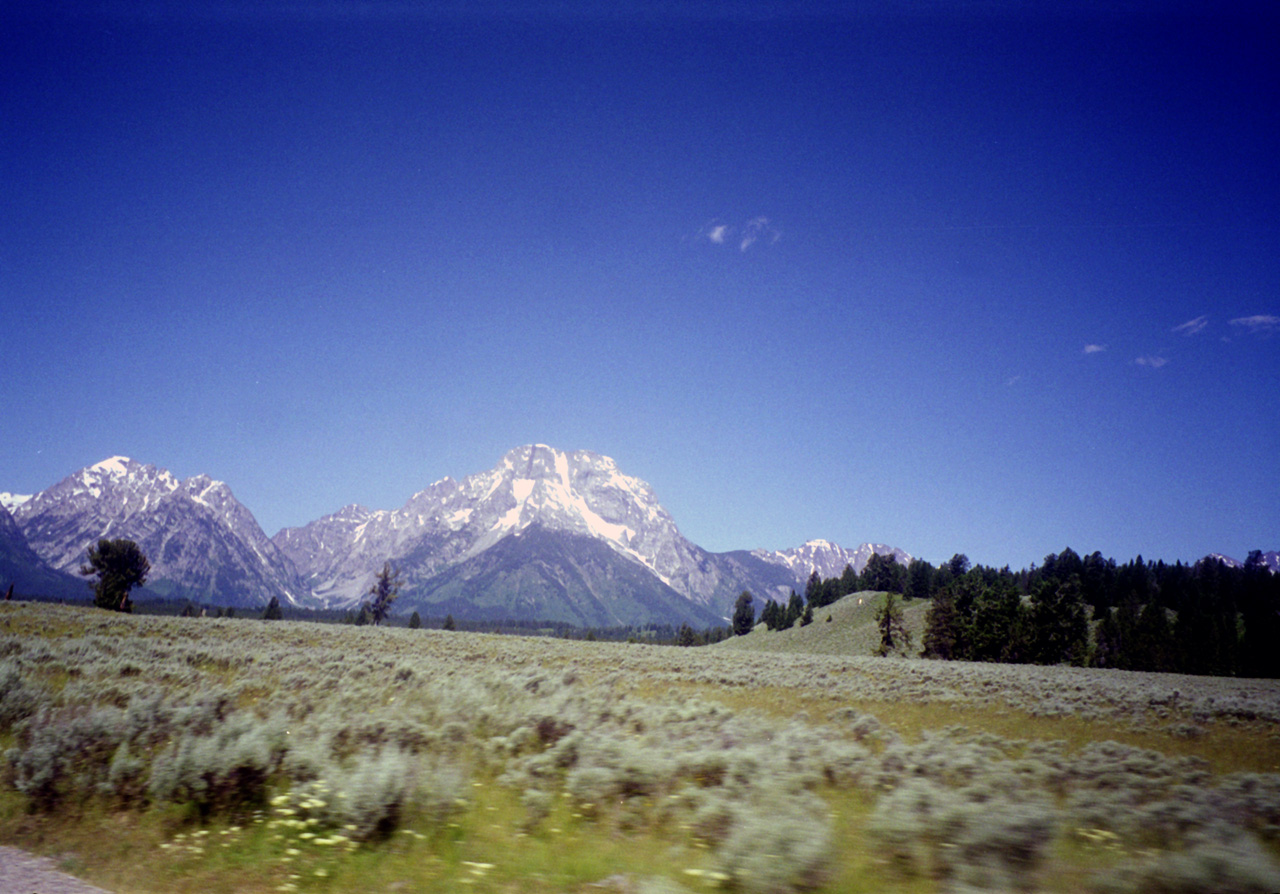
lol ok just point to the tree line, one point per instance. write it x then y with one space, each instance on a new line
1205 618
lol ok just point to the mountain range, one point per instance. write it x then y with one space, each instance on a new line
545 534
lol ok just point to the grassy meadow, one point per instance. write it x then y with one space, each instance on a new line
152 754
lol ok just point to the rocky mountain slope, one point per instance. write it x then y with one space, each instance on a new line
201 542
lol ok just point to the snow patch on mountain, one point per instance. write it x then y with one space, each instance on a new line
12 501
115 466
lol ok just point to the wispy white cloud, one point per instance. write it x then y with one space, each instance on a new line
758 229
1191 327
1151 361
1259 324
1012 380
714 231
1094 349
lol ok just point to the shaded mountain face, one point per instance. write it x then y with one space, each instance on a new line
555 576
28 574
201 542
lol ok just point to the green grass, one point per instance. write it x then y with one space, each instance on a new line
851 630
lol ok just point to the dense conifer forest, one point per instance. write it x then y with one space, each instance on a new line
1206 618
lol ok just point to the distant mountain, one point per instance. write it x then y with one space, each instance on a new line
829 559
201 542
1270 559
451 523
545 534
26 572
437 538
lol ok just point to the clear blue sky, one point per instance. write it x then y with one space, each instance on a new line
976 278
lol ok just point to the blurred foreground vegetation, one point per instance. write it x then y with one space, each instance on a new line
177 754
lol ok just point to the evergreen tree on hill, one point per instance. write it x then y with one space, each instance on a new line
744 614
883 573
795 608
919 584
894 637
1059 622
942 628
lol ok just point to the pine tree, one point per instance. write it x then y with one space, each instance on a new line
883 573
744 614
771 615
848 582
1059 623
1153 640
919 580
448 623
941 631
998 628
273 612
385 589
795 608
894 637
414 621
812 588
1109 647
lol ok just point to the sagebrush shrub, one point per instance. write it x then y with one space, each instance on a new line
368 795
224 772
18 699
972 834
66 754
1234 865
777 842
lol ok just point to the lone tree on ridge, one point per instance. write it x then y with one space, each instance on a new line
119 566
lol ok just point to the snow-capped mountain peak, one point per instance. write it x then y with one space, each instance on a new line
579 493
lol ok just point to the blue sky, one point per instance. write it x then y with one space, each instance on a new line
973 278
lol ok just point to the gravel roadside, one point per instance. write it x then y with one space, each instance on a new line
24 873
